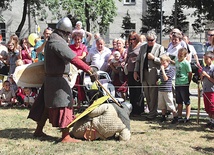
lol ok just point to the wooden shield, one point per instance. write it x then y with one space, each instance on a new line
33 75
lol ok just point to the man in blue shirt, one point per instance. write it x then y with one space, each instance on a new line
39 47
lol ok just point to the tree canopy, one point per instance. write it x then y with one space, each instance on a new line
203 7
204 12
181 20
152 18
98 12
34 5
127 25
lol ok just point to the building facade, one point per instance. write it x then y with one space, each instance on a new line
134 7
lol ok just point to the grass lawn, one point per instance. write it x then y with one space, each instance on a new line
148 137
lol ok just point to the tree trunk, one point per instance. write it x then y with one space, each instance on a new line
87 17
176 14
24 14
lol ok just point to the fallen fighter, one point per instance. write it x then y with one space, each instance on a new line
106 121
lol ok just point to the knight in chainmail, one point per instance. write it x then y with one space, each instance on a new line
108 120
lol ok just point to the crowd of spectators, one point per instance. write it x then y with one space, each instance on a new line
134 65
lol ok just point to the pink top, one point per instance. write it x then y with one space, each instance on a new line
79 50
26 57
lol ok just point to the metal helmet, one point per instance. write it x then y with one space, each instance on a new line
64 25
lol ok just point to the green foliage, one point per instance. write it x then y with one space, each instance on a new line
35 5
5 4
204 12
198 24
127 25
182 23
152 18
203 7
98 12
1 18
107 13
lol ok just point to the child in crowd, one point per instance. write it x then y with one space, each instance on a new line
115 64
29 97
13 85
165 95
78 28
7 95
207 77
182 81
86 35
18 90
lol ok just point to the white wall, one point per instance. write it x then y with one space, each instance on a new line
135 12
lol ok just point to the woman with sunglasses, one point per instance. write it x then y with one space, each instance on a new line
146 71
134 86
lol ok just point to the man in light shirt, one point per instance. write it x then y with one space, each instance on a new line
192 51
99 55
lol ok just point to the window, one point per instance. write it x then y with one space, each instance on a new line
129 1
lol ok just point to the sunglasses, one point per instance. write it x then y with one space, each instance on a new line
210 35
132 39
150 40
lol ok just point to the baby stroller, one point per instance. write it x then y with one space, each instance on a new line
93 91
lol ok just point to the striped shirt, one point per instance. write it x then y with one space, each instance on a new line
166 86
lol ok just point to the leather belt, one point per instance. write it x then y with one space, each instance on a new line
59 75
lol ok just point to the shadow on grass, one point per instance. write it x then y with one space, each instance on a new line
206 150
23 133
11 107
137 133
208 137
190 126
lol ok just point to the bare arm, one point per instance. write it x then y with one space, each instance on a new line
89 36
165 77
189 76
204 74
40 48
82 56
197 61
